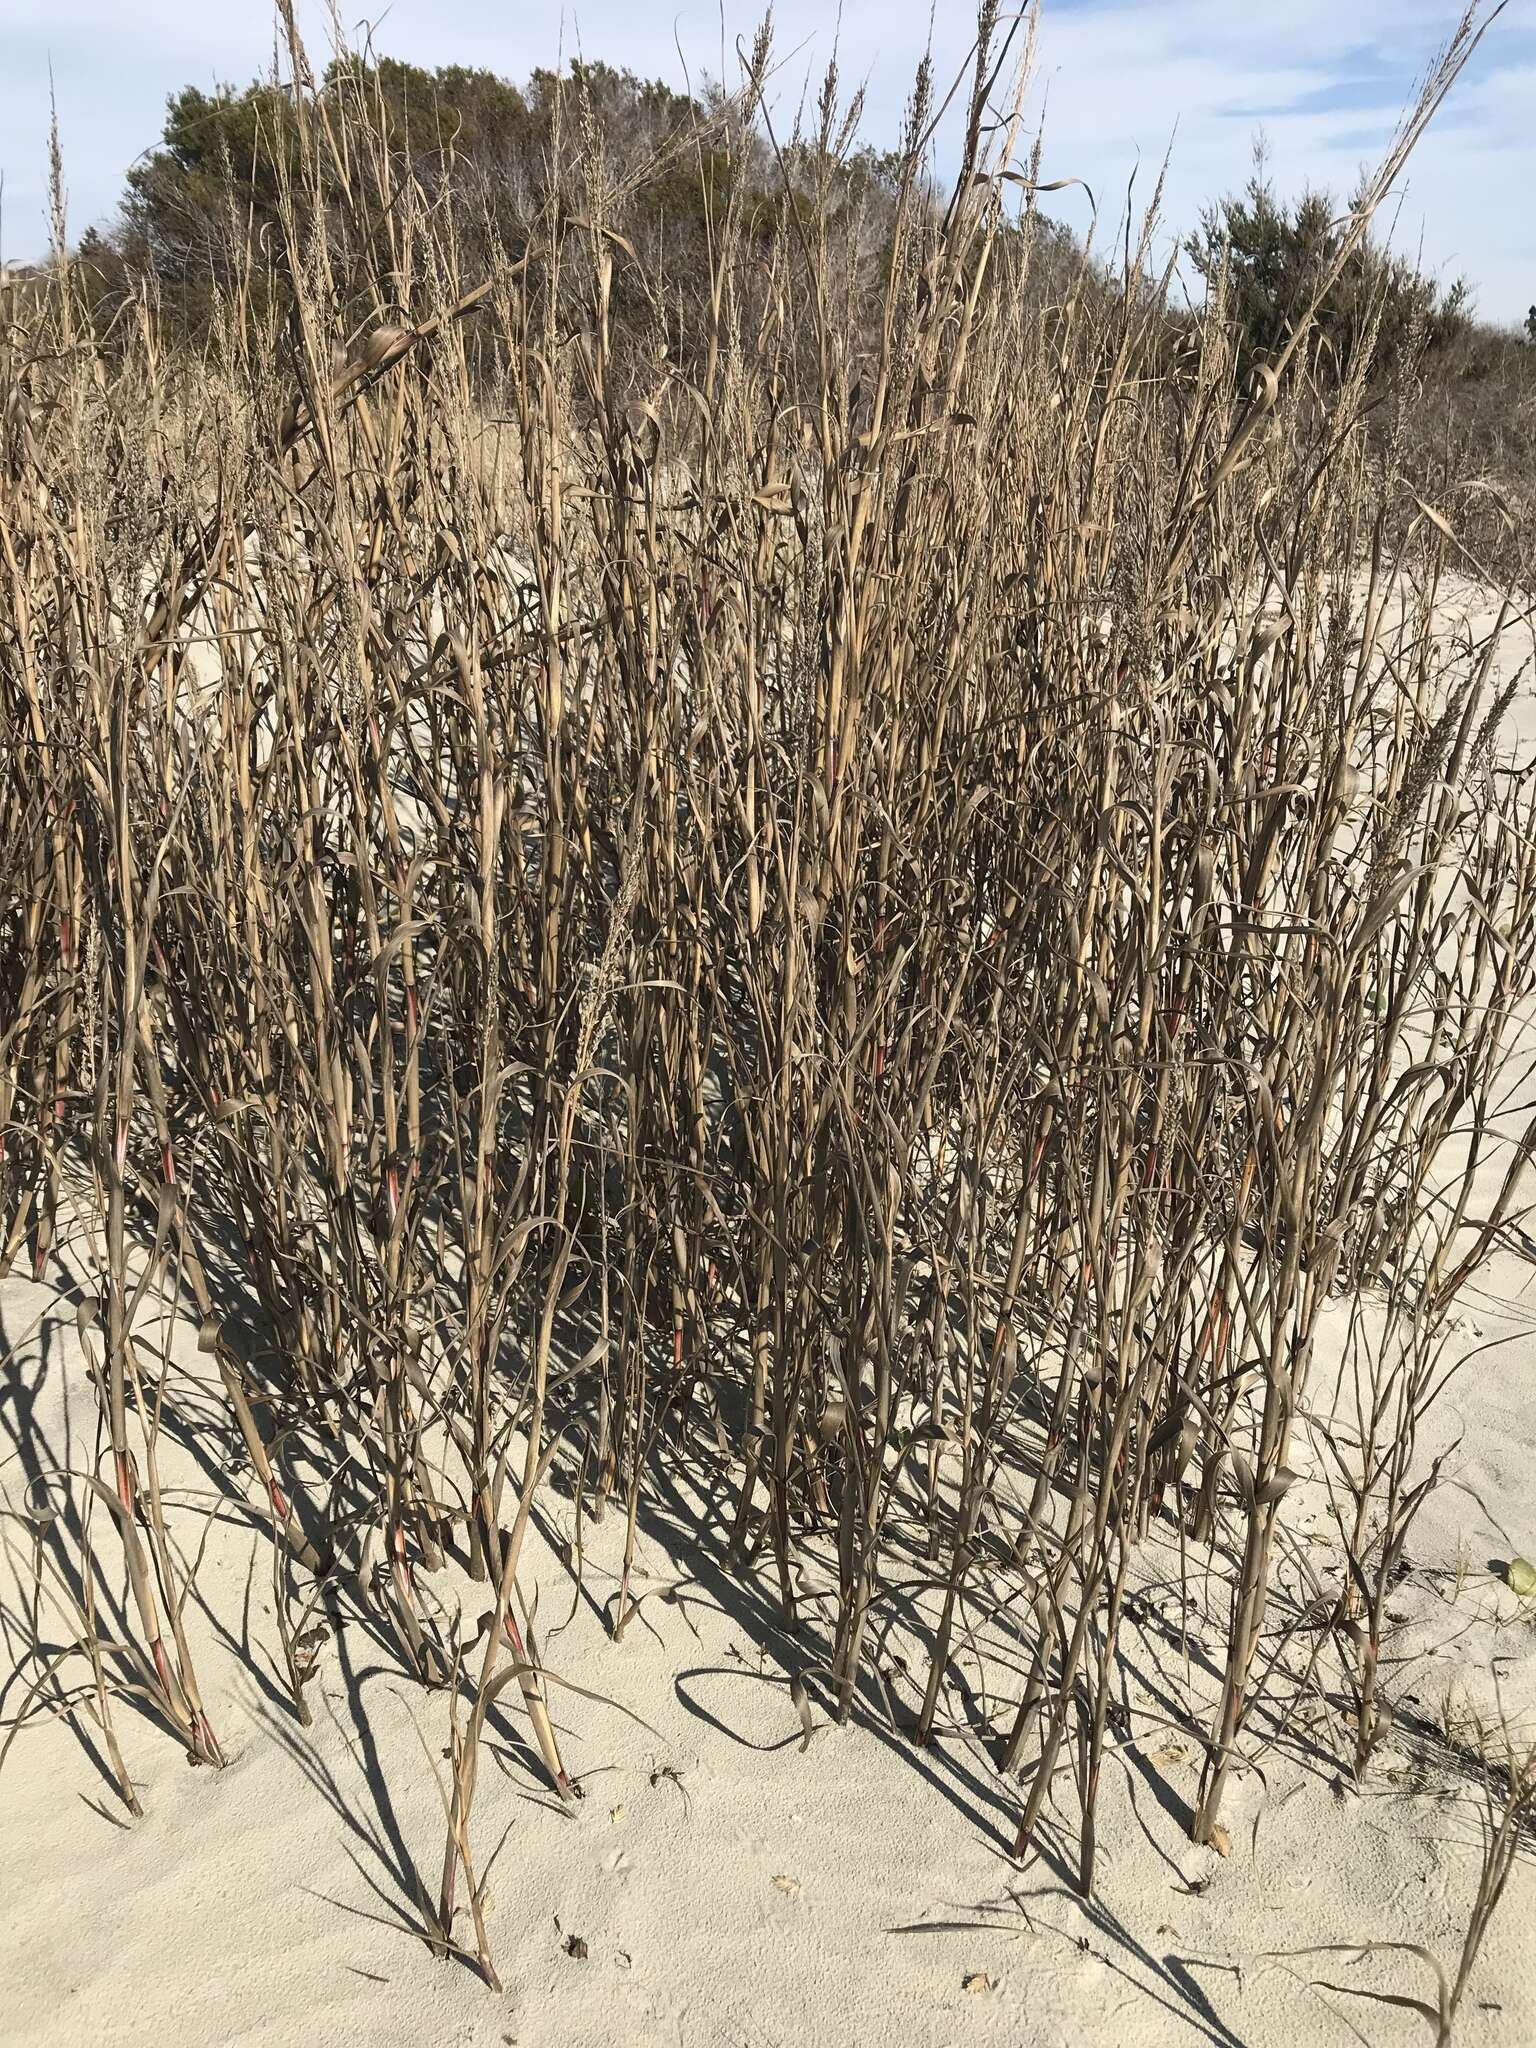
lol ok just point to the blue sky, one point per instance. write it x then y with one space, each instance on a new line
1118 81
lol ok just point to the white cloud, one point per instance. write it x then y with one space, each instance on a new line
1121 78
1120 82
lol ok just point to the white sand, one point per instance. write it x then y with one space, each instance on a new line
762 1896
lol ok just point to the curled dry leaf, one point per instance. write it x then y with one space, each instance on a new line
834 1419
802 1701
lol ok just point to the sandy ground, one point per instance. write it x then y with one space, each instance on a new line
759 1895
729 1887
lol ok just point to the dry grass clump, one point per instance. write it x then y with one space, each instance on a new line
891 921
